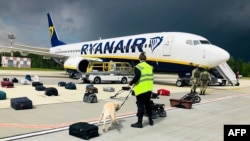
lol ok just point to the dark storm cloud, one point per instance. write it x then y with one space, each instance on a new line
224 22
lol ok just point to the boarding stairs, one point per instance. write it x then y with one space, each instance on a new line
227 73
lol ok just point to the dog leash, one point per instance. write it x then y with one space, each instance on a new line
131 89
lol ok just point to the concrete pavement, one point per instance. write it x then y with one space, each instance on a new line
51 116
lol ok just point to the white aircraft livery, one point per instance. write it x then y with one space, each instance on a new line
166 51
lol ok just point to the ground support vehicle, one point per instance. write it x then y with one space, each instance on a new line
101 72
185 79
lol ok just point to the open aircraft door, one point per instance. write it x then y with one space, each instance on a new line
168 42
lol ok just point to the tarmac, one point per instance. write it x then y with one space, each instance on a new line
51 116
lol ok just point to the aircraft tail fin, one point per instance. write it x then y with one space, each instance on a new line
53 35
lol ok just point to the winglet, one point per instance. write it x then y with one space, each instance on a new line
53 36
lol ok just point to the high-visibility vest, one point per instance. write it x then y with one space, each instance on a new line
145 83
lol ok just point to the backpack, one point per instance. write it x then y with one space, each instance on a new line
90 98
204 76
70 86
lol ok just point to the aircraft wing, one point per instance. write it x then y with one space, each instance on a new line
25 50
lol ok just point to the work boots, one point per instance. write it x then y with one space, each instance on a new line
138 124
202 93
193 91
150 120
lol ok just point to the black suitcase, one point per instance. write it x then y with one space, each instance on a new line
62 84
34 84
51 91
21 103
14 80
83 130
6 79
40 88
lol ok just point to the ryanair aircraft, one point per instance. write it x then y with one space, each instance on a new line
166 51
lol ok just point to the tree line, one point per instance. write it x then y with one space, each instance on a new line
37 61
239 65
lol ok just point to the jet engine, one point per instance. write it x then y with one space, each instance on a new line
78 64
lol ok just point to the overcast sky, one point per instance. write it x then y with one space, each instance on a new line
225 23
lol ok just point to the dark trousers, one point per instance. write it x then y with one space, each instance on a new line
143 102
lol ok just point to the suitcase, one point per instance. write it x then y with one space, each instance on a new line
83 130
14 80
180 103
34 84
40 88
2 95
90 98
91 89
21 103
51 91
6 79
109 89
61 84
7 84
163 92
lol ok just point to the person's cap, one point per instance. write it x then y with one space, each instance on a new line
142 56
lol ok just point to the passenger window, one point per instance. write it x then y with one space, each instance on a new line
189 42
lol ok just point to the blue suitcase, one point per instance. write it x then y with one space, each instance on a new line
21 103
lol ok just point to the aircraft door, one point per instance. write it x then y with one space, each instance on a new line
168 42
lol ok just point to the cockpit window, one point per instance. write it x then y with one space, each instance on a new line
189 42
205 42
196 42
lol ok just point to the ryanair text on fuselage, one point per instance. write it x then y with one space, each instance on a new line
122 46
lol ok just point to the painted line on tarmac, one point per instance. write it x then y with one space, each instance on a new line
62 127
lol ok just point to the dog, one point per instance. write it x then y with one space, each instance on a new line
109 111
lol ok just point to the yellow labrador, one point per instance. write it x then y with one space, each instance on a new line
109 111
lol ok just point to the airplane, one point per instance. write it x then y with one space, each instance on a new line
165 51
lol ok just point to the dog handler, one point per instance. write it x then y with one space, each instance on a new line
143 86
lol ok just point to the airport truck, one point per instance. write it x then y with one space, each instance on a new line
101 72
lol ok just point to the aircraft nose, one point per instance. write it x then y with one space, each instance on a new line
221 55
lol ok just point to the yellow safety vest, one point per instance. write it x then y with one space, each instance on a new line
145 83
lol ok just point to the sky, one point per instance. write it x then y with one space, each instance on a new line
225 23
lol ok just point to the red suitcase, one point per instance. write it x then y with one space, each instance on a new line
7 84
163 92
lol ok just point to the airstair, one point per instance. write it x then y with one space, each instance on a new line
227 73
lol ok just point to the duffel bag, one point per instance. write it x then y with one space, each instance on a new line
163 92
108 89
51 91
